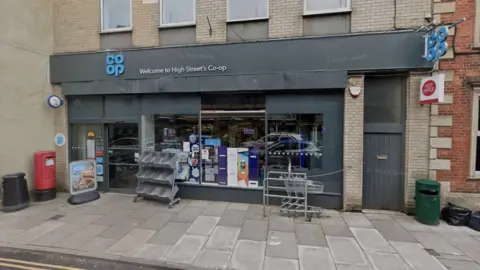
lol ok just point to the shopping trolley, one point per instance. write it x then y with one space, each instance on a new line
293 189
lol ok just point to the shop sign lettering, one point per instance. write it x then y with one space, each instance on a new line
183 69
115 64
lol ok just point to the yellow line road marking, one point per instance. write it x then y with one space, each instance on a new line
20 267
37 264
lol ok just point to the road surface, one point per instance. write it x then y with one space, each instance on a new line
15 259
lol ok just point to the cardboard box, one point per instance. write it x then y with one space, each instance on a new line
232 167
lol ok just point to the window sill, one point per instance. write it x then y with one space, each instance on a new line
475 178
116 30
247 20
178 25
327 12
476 45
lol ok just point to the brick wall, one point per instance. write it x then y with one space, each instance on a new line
375 15
462 67
145 21
353 147
416 140
61 126
285 18
76 24
214 11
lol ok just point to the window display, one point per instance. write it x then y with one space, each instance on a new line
295 140
233 140
167 133
232 126
229 157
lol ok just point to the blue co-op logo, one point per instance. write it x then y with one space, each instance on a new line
436 44
115 64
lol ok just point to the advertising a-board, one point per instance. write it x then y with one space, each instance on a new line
83 176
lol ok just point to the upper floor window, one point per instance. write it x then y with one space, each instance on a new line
475 136
116 14
326 6
244 10
177 12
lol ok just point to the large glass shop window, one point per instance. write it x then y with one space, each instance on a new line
232 128
295 141
177 134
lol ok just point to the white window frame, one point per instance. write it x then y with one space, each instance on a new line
248 19
327 11
476 28
194 22
474 133
110 30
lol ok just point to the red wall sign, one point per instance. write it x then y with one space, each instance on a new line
432 89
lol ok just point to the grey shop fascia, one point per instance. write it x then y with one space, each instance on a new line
171 80
289 64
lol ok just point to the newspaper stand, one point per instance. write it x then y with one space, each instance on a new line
293 189
157 175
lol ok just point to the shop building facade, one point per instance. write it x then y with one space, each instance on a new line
280 77
454 155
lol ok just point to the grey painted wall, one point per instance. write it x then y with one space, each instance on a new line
121 40
245 31
178 36
326 25
215 83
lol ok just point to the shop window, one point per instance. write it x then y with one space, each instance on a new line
232 128
475 136
383 99
334 19
232 148
295 141
116 14
177 12
245 10
174 133
326 6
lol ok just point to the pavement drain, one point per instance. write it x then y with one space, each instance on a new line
56 217
432 252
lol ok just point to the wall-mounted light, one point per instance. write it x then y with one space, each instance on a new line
355 91
54 101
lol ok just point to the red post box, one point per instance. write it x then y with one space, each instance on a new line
45 175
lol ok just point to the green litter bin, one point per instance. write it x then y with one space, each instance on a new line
427 201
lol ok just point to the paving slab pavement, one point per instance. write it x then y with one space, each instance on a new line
236 236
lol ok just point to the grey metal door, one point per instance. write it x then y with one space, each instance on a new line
383 166
382 172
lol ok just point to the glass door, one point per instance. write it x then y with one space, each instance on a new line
79 147
122 154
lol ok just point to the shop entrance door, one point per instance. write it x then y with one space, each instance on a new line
122 151
383 177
